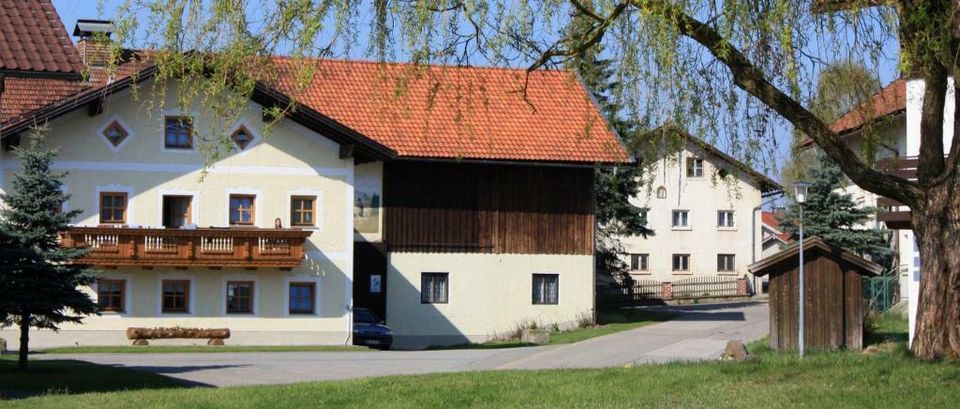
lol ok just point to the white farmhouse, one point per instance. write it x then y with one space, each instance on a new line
704 207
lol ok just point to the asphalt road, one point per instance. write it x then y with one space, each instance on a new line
699 333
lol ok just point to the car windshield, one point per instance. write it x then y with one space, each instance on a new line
365 317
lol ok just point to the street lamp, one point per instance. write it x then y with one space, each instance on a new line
800 194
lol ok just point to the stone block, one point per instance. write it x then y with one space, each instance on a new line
535 336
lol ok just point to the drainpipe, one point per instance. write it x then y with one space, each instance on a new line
753 235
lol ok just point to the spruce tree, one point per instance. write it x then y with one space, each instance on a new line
834 216
615 215
39 286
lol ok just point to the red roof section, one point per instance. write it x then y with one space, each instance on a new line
890 100
22 97
769 219
458 112
33 39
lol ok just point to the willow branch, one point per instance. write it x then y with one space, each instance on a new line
752 80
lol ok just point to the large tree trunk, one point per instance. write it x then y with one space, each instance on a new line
936 225
24 341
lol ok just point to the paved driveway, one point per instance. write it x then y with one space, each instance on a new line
700 332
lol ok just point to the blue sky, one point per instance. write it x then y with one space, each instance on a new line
71 10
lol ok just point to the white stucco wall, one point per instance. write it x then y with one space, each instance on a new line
489 295
288 160
703 197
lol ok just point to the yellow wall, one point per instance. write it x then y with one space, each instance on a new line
290 160
489 295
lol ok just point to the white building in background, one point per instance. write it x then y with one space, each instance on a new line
704 207
893 117
772 238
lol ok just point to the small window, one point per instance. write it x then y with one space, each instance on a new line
681 218
241 137
242 209
638 262
240 297
115 133
434 288
681 262
546 288
176 296
661 192
303 210
725 218
726 262
643 214
178 132
113 207
694 168
303 298
110 294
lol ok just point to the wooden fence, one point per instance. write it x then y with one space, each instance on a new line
705 287
647 292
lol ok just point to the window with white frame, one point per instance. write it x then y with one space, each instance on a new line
681 262
661 192
638 262
725 218
726 262
694 167
546 288
681 218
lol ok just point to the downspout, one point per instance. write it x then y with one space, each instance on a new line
753 235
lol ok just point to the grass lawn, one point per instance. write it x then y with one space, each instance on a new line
69 377
130 349
889 378
834 380
610 322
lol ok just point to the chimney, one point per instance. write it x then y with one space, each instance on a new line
94 42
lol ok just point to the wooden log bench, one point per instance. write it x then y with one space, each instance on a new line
214 336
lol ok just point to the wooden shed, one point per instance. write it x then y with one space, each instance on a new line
833 302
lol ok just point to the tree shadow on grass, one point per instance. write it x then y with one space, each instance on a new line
72 377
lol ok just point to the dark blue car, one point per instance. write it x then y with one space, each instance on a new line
368 330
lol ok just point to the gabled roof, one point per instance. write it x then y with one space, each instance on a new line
33 41
790 254
764 183
891 100
446 112
770 221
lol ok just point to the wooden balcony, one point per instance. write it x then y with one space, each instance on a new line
891 212
205 247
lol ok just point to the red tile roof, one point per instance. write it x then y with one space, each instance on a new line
459 112
770 220
32 39
891 100
23 97
446 112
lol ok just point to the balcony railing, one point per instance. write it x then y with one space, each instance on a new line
208 247
894 214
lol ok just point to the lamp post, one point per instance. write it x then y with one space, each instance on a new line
800 190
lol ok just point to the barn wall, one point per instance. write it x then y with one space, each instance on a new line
482 208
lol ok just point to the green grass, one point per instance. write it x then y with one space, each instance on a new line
130 349
68 377
834 380
609 322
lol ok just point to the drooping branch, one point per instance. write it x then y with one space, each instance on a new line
752 80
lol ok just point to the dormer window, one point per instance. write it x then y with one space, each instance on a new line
241 137
115 133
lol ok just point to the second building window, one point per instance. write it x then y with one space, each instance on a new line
176 296
240 297
434 288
